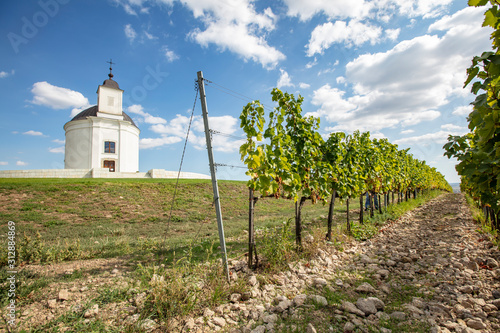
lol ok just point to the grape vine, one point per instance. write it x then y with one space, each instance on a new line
478 152
290 159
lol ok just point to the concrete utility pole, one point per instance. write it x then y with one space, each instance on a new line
215 187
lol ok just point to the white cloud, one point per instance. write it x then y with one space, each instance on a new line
227 125
132 6
4 74
340 79
169 54
306 9
351 34
58 150
462 110
359 9
4 163
234 25
284 80
413 118
454 128
21 163
312 63
146 117
303 85
56 97
416 8
59 141
440 138
130 32
33 133
356 112
149 36
392 34
332 103
406 84
148 143
326 71
377 135
408 131
468 16
128 9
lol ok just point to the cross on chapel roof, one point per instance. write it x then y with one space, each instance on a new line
110 62
110 82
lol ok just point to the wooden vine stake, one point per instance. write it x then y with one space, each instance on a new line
251 230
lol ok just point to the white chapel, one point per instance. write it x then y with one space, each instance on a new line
103 136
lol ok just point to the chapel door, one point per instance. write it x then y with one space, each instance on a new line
110 165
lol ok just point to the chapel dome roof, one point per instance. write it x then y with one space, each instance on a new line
92 112
110 83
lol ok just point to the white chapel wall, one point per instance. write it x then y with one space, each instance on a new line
129 148
77 152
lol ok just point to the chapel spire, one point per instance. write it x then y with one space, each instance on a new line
110 62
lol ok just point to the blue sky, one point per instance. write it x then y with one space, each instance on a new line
392 67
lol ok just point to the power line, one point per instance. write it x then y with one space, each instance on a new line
233 93
229 165
227 135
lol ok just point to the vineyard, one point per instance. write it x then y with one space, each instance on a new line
295 162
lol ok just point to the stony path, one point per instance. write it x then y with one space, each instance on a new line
436 248
434 253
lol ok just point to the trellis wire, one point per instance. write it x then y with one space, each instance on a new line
182 161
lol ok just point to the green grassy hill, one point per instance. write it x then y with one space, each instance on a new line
64 219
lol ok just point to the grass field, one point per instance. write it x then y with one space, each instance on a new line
65 219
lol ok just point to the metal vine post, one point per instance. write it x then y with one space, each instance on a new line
215 187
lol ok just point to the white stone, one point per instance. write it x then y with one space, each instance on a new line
259 329
310 328
221 322
208 313
318 300
190 324
351 308
349 327
63 295
476 324
52 303
148 325
319 282
366 288
377 302
366 305
235 298
492 263
272 318
299 300
283 305
252 280
413 309
398 315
